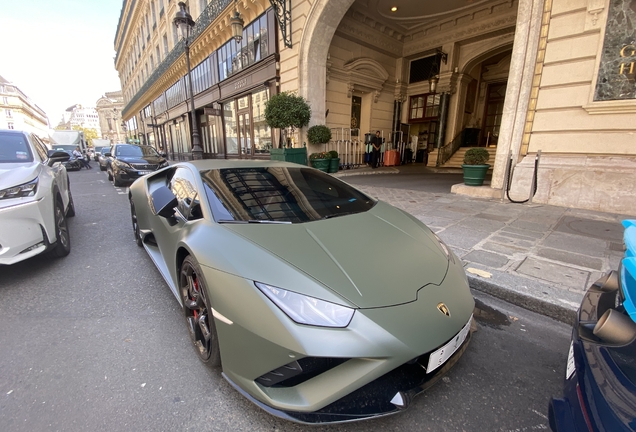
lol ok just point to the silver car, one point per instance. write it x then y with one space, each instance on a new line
35 198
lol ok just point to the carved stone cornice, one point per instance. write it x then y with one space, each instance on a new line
426 40
363 74
366 33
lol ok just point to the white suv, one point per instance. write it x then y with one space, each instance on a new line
35 198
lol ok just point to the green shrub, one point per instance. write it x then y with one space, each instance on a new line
320 155
318 134
334 154
286 110
476 156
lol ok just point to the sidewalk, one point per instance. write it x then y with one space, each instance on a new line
537 256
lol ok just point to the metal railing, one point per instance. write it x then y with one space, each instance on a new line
448 150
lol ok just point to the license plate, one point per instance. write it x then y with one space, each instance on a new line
569 370
440 356
143 172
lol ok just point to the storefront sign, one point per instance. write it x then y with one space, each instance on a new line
617 69
240 84
212 112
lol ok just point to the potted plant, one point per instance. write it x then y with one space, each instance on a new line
287 112
321 134
320 160
475 166
334 162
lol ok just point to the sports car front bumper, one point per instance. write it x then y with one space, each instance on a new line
375 366
24 227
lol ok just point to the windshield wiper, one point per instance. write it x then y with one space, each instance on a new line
252 221
338 214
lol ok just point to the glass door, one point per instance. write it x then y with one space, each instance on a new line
245 135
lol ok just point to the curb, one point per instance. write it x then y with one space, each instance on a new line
534 304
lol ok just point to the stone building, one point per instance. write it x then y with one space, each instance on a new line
17 111
519 77
108 109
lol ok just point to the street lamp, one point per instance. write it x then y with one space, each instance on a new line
184 23
237 25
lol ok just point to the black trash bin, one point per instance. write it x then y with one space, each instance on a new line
419 156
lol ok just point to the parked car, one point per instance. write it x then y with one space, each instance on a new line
103 159
99 151
35 198
128 162
72 164
600 382
279 270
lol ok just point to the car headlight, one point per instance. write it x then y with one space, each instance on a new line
445 249
23 190
123 164
308 310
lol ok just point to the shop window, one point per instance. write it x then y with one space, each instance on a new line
233 57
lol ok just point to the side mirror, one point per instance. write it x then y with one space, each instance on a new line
57 156
163 154
107 154
163 202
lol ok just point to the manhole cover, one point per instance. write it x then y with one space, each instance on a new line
610 231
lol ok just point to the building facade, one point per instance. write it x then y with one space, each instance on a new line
523 78
111 126
17 111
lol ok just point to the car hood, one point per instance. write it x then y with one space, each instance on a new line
374 259
151 160
13 174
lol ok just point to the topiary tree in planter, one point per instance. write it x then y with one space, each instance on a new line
318 134
475 166
287 111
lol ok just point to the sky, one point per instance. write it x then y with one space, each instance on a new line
60 52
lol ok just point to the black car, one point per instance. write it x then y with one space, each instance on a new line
102 159
73 164
127 162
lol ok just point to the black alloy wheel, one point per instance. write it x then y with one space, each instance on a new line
117 182
63 243
133 216
198 313
109 170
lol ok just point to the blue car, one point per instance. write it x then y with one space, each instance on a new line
600 382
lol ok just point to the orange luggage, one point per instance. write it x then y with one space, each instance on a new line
391 158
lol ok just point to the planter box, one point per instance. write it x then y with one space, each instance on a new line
474 175
321 164
295 155
334 164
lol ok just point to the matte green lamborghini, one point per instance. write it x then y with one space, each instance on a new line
319 303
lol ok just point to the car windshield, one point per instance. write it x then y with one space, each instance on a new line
135 150
279 194
66 148
102 150
14 148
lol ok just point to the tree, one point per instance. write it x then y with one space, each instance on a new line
89 134
287 110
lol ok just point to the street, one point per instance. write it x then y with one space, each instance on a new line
96 341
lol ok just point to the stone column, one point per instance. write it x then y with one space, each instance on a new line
524 55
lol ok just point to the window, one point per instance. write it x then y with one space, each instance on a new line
40 148
152 62
165 45
8 113
183 187
424 107
158 54
154 14
253 48
5 100
9 125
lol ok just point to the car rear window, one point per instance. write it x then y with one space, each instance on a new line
280 194
14 148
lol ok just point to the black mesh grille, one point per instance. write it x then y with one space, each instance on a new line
298 372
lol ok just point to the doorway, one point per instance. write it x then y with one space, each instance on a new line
496 95
245 134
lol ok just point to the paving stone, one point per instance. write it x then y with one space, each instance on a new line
482 224
611 231
576 243
508 250
447 214
437 222
496 217
556 273
462 237
531 226
525 244
486 258
521 233
571 258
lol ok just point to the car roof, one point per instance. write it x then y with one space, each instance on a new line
205 164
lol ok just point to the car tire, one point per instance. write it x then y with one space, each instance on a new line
117 182
70 210
135 224
110 174
102 167
63 244
198 312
